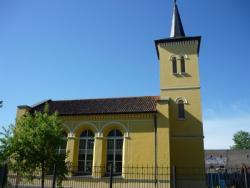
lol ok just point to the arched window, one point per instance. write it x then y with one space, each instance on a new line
63 146
85 157
61 150
183 68
114 150
174 65
181 109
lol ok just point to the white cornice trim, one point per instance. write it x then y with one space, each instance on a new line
180 88
174 43
181 98
164 98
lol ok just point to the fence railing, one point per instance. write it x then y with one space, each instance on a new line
103 177
228 177
137 177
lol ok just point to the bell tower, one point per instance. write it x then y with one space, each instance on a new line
179 83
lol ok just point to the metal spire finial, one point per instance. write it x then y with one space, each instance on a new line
177 28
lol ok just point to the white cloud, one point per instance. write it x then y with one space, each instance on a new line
219 131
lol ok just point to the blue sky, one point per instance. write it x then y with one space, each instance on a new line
61 49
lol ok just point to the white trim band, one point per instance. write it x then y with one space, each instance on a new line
181 88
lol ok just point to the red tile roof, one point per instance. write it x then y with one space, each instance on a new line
101 106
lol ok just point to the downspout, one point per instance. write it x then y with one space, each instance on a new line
156 151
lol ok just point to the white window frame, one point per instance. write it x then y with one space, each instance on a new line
85 161
115 150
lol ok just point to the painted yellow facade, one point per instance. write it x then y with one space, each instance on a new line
138 130
186 136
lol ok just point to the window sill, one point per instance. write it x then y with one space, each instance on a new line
181 119
83 175
175 74
180 74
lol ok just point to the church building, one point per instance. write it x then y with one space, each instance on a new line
164 130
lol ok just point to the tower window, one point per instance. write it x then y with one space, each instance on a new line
183 68
174 64
181 109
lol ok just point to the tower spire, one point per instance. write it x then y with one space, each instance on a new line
177 28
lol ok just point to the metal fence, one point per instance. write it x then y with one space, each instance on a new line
102 177
137 177
230 177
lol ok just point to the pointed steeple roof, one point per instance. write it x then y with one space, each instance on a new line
177 34
177 28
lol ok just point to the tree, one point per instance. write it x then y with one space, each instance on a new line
32 146
241 140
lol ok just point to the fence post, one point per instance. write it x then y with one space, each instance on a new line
110 175
174 176
156 174
54 177
245 177
17 180
4 175
212 179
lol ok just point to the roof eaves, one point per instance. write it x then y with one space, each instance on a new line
108 113
23 107
40 103
177 39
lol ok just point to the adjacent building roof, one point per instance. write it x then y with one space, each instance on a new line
143 104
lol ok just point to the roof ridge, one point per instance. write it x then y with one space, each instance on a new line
108 98
138 104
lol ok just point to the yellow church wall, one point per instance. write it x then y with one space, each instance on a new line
139 137
187 153
21 111
140 144
186 147
187 135
192 124
163 124
191 77
163 142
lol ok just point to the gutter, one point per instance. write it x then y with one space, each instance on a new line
155 147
